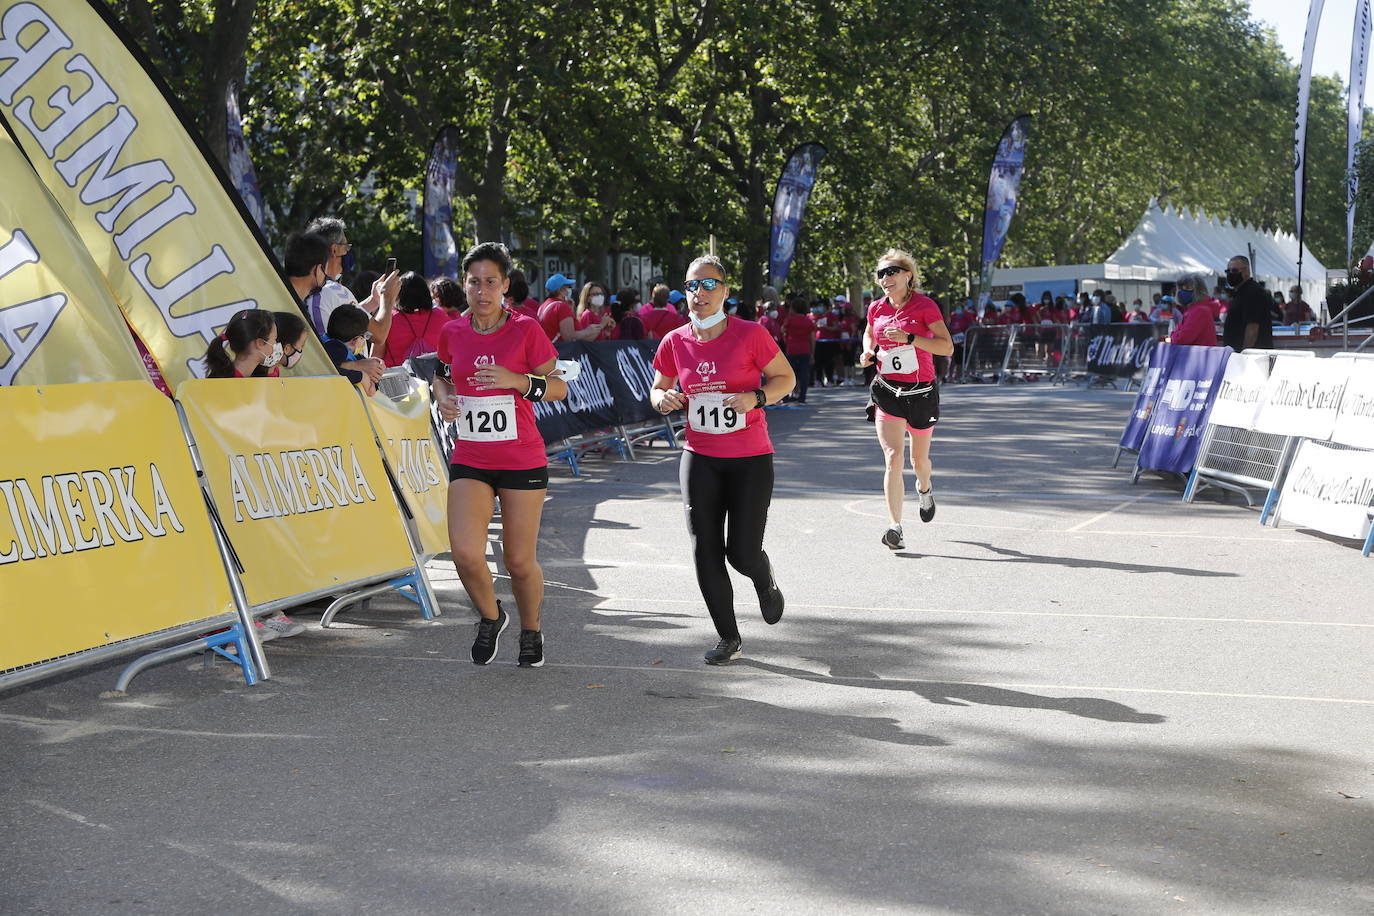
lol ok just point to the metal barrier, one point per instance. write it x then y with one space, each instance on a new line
1034 351
985 352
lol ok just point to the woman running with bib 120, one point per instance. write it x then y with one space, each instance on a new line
728 369
905 329
493 365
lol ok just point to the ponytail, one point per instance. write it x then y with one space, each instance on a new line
238 335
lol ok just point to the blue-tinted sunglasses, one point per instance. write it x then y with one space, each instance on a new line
709 284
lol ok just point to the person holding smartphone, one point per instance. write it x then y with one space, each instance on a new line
494 364
712 366
905 331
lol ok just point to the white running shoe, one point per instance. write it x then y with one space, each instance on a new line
281 625
927 503
892 538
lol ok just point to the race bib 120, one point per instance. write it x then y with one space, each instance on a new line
487 419
707 413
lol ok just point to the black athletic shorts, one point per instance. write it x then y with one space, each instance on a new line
502 479
920 408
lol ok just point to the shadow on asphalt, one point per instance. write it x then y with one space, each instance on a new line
1016 556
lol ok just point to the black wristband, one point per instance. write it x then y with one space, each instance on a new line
538 386
443 371
911 338
762 398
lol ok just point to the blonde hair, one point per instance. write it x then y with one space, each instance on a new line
712 261
905 261
582 300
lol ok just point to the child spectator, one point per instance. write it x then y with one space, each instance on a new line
347 343
246 348
294 335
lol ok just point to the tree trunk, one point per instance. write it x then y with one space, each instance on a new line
228 44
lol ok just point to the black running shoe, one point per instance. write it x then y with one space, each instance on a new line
770 599
531 649
727 650
892 538
927 498
488 632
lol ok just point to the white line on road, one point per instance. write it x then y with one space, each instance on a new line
69 815
1101 515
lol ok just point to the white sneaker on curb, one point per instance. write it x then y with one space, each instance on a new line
282 625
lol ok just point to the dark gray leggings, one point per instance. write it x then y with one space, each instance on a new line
726 501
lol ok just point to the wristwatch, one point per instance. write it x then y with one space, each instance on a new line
762 398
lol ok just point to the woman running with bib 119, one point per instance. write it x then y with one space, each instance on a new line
493 365
905 329
727 463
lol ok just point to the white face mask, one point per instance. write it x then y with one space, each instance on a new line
271 359
773 313
597 301
701 324
290 361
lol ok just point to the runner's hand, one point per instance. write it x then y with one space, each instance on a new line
489 377
866 359
742 403
671 400
896 335
448 409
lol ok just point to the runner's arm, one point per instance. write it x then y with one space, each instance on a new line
664 396
778 381
940 345
441 389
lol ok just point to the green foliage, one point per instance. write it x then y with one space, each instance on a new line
614 125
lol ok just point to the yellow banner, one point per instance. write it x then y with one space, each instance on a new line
165 231
408 440
103 530
58 319
298 482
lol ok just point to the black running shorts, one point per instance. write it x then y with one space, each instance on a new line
502 479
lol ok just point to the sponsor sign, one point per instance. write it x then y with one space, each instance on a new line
298 482
1329 489
103 531
1303 397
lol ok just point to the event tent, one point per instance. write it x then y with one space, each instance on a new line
1168 243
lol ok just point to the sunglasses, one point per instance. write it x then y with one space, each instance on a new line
888 271
709 284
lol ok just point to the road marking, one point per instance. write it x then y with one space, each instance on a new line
67 729
1101 515
69 815
1000 613
745 670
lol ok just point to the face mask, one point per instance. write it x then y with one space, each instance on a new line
773 313
1233 278
290 361
1185 297
701 324
271 359
597 301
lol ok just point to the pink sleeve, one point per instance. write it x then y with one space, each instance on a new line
538 349
442 348
665 360
762 347
930 313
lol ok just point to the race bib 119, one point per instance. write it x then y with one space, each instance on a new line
707 413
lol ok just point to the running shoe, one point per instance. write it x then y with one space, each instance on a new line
488 632
892 538
531 649
770 599
281 625
727 650
264 631
927 504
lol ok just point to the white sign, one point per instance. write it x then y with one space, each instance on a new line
1355 422
1303 397
1329 489
1241 392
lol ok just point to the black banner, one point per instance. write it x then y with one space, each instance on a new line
612 389
1119 350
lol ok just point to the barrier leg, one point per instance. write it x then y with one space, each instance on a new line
1368 544
1190 490
424 596
627 448
215 642
1270 502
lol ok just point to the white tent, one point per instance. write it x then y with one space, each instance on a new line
1168 243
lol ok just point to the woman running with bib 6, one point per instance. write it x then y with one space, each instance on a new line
905 329
727 464
493 366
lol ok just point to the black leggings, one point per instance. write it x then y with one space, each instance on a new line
726 501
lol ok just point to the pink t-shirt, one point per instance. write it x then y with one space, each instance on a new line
589 318
407 327
730 364
551 315
658 322
520 346
915 317
798 331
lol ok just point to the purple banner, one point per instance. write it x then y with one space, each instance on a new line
1161 359
241 173
1175 427
789 206
436 228
1004 187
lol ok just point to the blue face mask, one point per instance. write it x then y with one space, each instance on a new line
1185 297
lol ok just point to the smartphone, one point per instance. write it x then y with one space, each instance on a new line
390 267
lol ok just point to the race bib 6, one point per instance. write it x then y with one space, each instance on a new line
897 360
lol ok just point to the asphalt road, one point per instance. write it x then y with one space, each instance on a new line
1068 695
